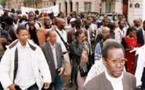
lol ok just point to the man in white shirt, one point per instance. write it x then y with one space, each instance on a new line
62 39
23 65
120 32
114 77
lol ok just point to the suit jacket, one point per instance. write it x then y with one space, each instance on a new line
100 82
46 48
140 38
39 65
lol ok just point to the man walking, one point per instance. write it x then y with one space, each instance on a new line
23 65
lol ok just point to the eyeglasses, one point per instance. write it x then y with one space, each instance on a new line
117 61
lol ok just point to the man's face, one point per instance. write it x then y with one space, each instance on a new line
52 37
115 62
61 24
15 17
122 23
23 35
31 25
81 37
47 21
105 34
106 22
31 16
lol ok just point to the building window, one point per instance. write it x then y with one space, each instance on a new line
137 5
77 6
59 6
87 6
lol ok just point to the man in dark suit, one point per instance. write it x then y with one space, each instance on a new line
54 56
113 78
141 35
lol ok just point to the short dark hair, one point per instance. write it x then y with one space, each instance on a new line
111 25
78 32
20 28
131 29
144 22
111 45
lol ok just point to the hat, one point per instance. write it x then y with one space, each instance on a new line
72 20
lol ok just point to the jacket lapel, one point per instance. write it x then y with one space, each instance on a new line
50 52
125 82
107 84
57 52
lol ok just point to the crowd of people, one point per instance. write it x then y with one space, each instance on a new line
40 51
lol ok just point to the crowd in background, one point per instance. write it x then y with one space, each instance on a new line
81 37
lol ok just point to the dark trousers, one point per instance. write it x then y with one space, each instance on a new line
33 87
1 88
57 84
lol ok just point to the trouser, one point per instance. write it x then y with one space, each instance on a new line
67 72
33 87
57 84
80 81
1 88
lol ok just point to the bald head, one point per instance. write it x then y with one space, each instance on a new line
105 29
60 22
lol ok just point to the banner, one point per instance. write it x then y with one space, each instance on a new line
54 9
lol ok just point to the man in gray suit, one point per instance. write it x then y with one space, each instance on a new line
54 56
113 78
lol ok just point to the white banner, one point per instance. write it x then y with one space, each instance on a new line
54 9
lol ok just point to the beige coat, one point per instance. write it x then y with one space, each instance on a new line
100 82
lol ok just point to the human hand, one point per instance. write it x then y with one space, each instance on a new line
133 50
3 40
46 85
60 70
12 87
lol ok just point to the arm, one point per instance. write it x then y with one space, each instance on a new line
5 70
139 68
62 61
76 49
97 52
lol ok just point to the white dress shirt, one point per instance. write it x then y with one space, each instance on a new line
25 75
115 82
95 70
54 54
119 34
64 36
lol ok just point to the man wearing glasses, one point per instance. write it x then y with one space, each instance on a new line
114 77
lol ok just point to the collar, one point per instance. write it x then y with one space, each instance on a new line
20 46
52 46
111 79
60 31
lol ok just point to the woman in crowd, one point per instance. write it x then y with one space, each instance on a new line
130 44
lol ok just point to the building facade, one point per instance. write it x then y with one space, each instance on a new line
79 5
13 4
135 10
112 6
